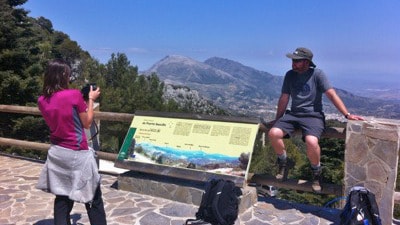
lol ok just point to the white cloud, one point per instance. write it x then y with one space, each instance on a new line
102 50
137 50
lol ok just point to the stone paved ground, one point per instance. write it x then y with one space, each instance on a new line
22 204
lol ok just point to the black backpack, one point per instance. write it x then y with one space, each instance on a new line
361 208
219 203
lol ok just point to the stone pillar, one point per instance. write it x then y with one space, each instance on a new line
371 160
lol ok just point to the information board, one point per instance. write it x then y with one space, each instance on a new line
213 146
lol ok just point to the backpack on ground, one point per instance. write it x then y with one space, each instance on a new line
361 208
219 203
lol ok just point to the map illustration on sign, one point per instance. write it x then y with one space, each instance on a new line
212 146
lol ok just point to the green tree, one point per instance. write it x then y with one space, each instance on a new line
26 45
125 91
18 71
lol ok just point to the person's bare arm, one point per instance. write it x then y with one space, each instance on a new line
337 101
282 104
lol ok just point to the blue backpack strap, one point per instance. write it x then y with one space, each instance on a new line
349 209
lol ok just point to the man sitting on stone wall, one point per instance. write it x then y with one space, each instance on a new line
304 84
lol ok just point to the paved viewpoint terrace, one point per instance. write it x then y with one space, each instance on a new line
22 204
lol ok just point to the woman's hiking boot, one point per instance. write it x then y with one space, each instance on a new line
316 180
283 168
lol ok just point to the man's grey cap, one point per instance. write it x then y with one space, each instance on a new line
302 53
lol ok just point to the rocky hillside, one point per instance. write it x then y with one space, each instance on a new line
238 92
190 100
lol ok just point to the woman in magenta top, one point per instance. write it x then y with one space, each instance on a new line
70 171
62 113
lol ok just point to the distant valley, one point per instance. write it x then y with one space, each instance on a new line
243 90
380 93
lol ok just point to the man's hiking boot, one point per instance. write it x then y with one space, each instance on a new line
283 168
316 180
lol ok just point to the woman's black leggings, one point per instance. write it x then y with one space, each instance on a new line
95 210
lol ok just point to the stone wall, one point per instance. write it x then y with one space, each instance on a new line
371 160
176 189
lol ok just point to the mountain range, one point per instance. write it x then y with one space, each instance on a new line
243 90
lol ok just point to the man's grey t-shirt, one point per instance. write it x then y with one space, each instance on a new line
306 90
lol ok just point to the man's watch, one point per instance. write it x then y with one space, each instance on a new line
347 115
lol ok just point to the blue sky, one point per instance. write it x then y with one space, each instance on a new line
356 42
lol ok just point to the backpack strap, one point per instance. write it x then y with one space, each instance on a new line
345 215
195 222
205 200
354 201
219 187
374 209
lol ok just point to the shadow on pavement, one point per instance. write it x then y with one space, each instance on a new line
329 214
74 217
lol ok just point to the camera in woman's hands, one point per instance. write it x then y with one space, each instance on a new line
86 89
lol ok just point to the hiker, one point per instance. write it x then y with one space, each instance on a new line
304 84
70 171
